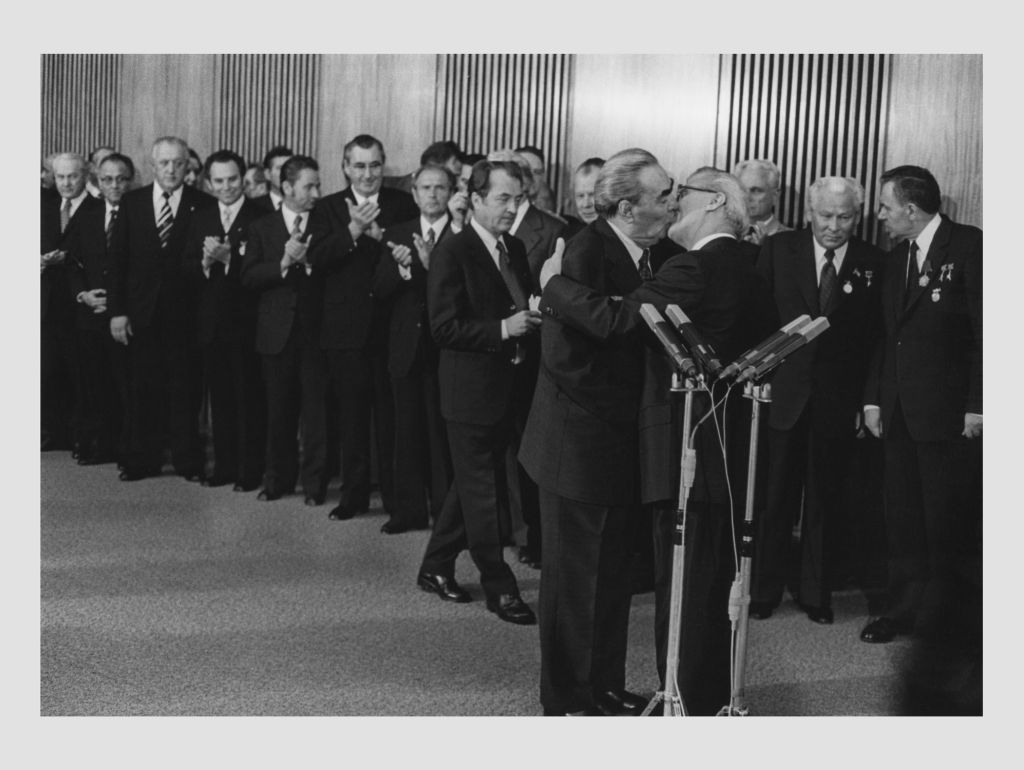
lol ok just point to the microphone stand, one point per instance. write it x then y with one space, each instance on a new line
670 696
739 598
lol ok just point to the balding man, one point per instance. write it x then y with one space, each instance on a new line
59 216
824 270
95 159
152 302
583 195
761 180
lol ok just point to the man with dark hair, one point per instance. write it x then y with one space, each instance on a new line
446 154
477 290
816 393
227 324
254 183
276 264
102 363
540 193
348 234
95 159
152 303
421 448
60 214
272 162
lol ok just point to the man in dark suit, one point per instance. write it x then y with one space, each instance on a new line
276 265
152 300
422 464
102 381
580 446
816 393
762 181
477 288
347 243
924 398
60 213
272 162
227 326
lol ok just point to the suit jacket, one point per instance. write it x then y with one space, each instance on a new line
580 437
409 337
351 318
89 266
284 301
145 275
830 372
538 232
227 310
466 301
930 358
55 304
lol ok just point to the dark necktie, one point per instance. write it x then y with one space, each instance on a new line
166 220
297 227
913 273
646 274
827 286
65 214
431 238
504 267
110 225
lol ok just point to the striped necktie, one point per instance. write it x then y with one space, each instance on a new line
110 225
65 214
166 221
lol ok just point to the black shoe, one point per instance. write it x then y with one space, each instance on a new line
192 475
820 615
245 487
512 609
268 495
529 557
216 481
134 474
621 703
760 610
95 459
443 586
392 527
341 513
880 631
312 501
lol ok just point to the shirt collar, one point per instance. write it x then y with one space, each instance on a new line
635 252
361 199
76 201
110 206
925 237
437 226
289 218
158 195
276 200
234 208
708 238
489 240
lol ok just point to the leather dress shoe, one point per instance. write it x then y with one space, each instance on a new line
820 615
95 459
268 495
341 513
621 703
216 481
192 476
880 630
244 487
392 527
135 474
529 557
313 500
760 610
512 609
443 586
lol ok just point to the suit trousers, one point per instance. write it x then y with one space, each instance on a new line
933 521
423 467
803 464
165 398
585 593
296 389
363 387
57 355
102 386
708 573
470 517
238 412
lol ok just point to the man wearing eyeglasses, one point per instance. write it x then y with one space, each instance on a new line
346 243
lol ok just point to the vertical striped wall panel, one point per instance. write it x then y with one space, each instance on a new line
489 102
80 101
267 99
813 115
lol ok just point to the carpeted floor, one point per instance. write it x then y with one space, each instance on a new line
160 597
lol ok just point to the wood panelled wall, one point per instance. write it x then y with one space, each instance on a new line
487 102
813 115
678 106
81 102
266 100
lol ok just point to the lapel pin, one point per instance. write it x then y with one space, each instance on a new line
867 277
936 294
923 280
847 288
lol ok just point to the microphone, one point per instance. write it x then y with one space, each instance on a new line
769 345
794 343
702 351
668 339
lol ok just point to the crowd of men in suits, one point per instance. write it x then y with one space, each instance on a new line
492 356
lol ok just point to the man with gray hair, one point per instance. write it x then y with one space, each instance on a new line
580 446
761 180
824 270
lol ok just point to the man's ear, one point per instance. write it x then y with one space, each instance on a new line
716 202
624 209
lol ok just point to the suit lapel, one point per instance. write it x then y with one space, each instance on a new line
623 274
936 256
807 273
529 229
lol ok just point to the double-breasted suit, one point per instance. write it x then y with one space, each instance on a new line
484 382
813 417
156 289
354 336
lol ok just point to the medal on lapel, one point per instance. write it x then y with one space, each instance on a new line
847 288
936 294
923 281
867 277
946 272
